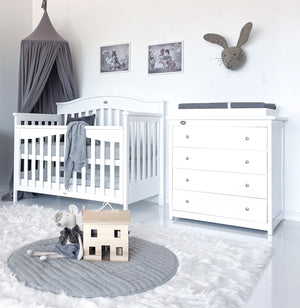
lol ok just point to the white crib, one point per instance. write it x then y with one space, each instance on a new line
125 156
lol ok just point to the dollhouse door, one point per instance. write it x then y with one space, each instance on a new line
105 252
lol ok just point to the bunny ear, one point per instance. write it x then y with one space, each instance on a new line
73 209
244 35
216 39
57 216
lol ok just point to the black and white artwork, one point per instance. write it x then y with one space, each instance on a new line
165 58
114 58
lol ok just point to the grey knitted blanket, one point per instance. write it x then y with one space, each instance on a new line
75 153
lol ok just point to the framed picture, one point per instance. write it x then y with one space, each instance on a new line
114 58
165 58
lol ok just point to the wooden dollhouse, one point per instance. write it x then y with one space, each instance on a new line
105 235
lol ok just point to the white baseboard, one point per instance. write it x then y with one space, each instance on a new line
294 216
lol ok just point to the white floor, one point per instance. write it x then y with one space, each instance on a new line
279 286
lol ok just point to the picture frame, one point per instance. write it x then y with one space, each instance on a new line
165 58
115 58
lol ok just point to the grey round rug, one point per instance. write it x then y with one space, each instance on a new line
150 265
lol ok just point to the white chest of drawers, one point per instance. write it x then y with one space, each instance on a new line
227 170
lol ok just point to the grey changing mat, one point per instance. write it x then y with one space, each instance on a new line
253 105
226 105
203 106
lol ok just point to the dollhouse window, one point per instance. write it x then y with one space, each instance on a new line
117 233
94 232
119 251
92 250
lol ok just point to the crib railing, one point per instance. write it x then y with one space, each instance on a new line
143 147
104 116
134 174
145 152
37 119
39 163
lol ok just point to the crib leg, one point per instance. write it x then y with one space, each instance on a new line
161 196
15 192
125 206
15 196
161 199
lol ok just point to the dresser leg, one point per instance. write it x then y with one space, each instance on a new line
270 231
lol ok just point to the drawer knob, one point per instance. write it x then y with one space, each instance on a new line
187 158
187 179
247 162
247 209
187 136
182 122
247 185
187 201
247 138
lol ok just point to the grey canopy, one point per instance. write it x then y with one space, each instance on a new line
45 75
46 72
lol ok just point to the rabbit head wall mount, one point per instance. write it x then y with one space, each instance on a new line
232 57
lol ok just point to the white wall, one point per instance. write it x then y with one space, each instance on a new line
271 73
16 21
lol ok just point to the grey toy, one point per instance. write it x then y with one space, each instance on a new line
232 57
69 243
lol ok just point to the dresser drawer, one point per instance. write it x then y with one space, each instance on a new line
239 184
246 138
254 162
250 209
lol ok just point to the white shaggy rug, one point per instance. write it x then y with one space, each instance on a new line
212 272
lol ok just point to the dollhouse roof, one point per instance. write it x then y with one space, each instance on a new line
106 217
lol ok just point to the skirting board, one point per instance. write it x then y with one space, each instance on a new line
294 216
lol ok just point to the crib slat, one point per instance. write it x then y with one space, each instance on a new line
97 117
41 166
93 165
144 152
138 151
83 179
102 122
33 155
154 149
102 167
94 111
158 158
109 117
112 169
74 181
132 157
57 160
149 150
49 166
26 161
117 117
63 156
